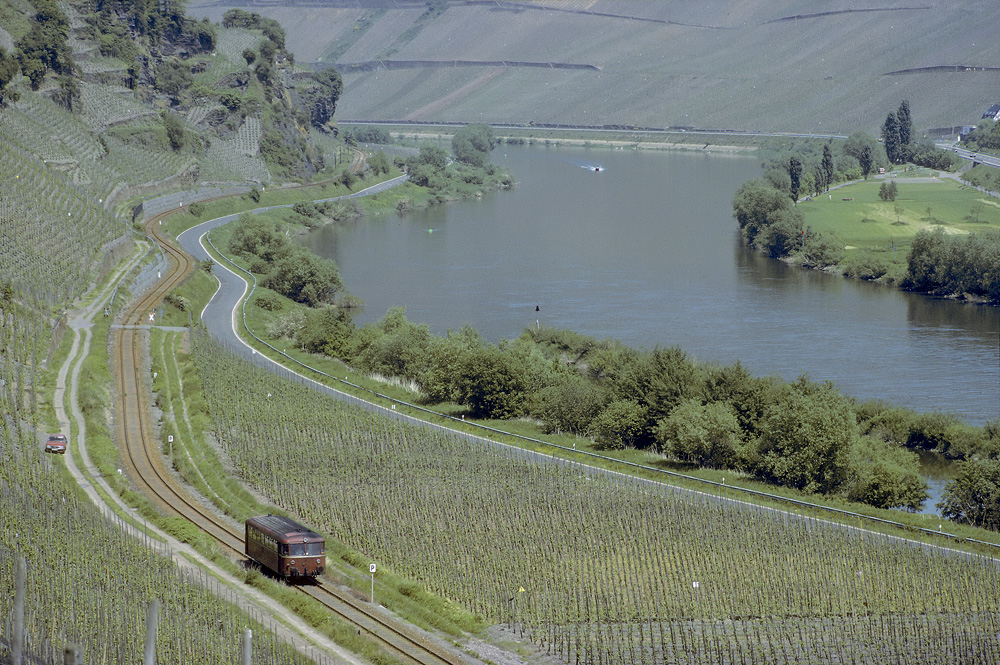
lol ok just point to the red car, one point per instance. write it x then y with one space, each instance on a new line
56 444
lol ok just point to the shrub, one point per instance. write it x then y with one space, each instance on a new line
178 301
268 301
705 434
619 425
866 265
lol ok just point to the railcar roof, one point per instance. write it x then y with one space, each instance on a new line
281 528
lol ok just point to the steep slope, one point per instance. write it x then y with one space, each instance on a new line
721 64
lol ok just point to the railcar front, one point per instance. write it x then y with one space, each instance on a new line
285 547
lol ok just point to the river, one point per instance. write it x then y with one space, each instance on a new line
646 250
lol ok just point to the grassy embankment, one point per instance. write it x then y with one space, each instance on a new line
866 225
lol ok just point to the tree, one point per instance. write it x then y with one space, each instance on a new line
173 77
819 180
705 434
232 101
569 406
855 146
866 160
304 277
783 235
926 259
891 138
658 381
439 379
747 395
806 438
433 156
329 331
256 238
175 130
887 191
905 125
249 55
490 383
828 168
754 204
379 163
395 347
8 71
795 176
619 425
45 46
472 144
974 496
885 475
975 210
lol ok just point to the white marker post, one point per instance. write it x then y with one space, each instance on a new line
371 569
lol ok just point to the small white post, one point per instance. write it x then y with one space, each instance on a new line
152 619
247 645
371 568
17 646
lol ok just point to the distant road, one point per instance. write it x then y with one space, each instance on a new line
989 160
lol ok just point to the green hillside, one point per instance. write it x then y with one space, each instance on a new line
764 66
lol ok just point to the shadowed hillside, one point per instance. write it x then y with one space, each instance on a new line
719 64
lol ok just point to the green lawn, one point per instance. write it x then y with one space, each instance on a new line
857 216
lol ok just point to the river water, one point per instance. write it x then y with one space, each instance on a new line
646 250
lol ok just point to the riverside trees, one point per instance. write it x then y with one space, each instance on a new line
801 435
472 144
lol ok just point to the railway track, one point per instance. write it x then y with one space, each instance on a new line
143 462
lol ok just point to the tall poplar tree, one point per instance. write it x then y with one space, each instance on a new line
905 131
827 166
890 134
905 124
795 174
866 160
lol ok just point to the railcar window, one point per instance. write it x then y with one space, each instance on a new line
297 549
314 549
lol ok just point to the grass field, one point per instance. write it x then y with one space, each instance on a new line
858 218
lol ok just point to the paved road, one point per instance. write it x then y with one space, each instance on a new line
977 158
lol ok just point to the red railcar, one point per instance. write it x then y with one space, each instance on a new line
285 546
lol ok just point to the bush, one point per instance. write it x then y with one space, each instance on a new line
569 406
822 250
705 434
619 425
974 496
370 134
178 301
172 78
885 476
866 265
806 439
268 301
472 144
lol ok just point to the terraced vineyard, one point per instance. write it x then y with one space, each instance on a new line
89 582
595 568
51 235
